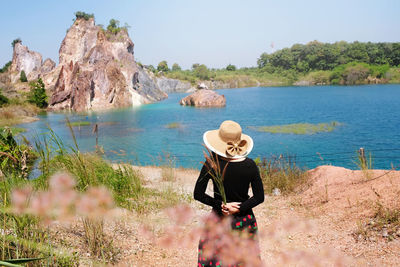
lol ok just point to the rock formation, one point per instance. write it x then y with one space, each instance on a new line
204 98
173 85
24 60
97 71
202 86
30 62
147 85
47 66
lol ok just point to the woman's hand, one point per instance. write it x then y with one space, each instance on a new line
230 208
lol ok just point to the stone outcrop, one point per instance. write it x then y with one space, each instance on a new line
30 62
202 86
148 86
97 70
303 83
47 66
173 85
204 98
24 60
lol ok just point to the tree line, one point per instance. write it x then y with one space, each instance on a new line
325 56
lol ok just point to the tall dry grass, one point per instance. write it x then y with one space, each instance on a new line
282 173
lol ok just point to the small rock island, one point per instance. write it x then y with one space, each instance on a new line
204 98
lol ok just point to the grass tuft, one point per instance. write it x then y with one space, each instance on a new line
282 173
384 224
14 130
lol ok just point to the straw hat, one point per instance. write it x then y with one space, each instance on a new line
228 141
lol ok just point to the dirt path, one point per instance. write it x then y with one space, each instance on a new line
316 227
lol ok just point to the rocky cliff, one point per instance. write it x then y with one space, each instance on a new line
173 85
30 62
148 81
97 70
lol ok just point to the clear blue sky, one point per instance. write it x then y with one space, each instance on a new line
211 32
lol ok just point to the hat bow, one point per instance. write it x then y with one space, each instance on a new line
235 148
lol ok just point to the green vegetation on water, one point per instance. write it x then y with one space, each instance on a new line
173 125
80 123
298 128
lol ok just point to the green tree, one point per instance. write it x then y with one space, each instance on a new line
5 67
315 56
83 15
114 27
37 94
15 41
163 66
176 67
22 77
231 67
195 66
263 60
202 72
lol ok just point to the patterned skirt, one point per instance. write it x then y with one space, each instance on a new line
245 226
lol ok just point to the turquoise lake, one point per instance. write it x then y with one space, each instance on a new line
370 117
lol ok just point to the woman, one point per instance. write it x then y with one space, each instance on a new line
229 146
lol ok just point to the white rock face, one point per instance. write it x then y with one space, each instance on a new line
24 59
80 38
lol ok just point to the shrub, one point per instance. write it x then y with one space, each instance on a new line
351 73
15 158
83 15
151 68
318 77
176 67
37 94
114 28
22 77
202 72
356 74
3 100
282 173
231 67
379 71
195 66
163 66
5 67
15 41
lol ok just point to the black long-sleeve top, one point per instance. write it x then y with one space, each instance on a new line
237 180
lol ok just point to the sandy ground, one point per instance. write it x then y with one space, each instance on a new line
309 228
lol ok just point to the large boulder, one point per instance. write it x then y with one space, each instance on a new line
97 71
204 98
